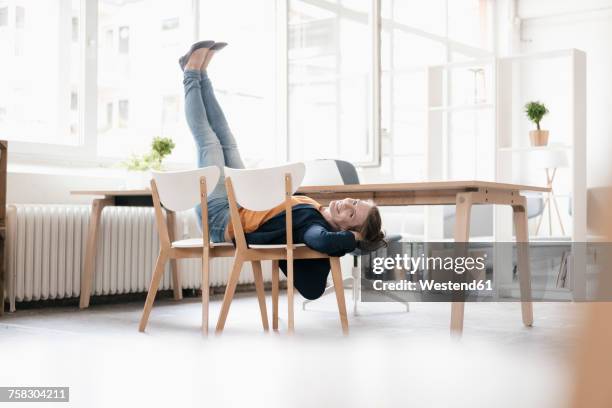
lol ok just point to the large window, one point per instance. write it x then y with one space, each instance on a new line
461 111
105 81
39 75
301 79
244 73
139 89
330 56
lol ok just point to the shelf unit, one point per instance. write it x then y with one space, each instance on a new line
504 100
534 148
512 144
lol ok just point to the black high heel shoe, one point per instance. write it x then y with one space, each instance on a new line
200 44
218 46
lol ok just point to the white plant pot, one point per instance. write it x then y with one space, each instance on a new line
138 180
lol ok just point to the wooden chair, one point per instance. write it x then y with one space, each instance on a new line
260 190
180 191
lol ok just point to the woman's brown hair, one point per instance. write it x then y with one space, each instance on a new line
372 235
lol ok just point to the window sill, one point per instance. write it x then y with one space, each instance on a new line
74 171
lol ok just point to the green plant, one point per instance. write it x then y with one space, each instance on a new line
535 112
160 148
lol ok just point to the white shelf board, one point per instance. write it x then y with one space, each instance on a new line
458 108
473 239
551 239
534 148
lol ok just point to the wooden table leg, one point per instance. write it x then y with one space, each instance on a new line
176 277
95 217
462 234
522 241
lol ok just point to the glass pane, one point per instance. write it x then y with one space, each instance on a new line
138 73
39 106
471 85
408 169
330 59
471 145
244 73
403 111
470 23
426 17
410 50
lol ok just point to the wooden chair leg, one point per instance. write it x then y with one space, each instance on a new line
290 292
462 234
177 288
229 292
275 290
524 272
261 294
205 291
339 289
157 275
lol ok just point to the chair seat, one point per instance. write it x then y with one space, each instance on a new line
197 243
274 246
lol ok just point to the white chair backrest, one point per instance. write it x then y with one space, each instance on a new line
180 190
262 189
322 173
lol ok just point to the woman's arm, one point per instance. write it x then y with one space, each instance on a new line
331 243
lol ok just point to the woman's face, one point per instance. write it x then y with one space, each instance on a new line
350 213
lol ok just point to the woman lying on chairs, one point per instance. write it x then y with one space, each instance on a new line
334 230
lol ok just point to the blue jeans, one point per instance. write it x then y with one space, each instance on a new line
215 145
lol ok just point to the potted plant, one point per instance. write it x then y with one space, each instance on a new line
139 167
535 111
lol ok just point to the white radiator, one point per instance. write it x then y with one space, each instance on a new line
46 248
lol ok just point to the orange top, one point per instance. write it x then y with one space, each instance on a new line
252 220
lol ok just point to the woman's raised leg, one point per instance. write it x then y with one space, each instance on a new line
209 150
219 124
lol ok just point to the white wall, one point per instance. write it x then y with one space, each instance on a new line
586 25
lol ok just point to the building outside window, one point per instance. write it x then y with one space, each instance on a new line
124 40
3 16
75 29
38 109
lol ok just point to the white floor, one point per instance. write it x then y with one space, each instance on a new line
391 358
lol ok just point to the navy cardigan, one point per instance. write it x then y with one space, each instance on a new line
310 228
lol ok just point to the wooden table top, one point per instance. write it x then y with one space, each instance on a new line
364 188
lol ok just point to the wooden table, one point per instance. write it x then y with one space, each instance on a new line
118 198
462 194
